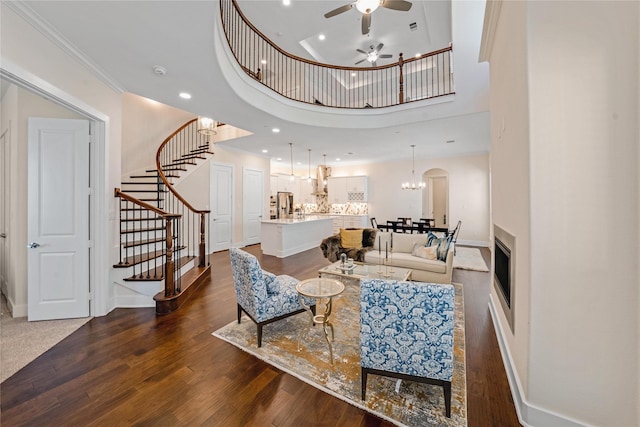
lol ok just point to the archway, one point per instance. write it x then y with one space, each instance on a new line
435 196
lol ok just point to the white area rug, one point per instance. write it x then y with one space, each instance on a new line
23 341
469 259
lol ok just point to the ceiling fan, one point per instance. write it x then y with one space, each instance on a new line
373 55
366 7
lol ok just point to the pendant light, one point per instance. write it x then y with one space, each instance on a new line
309 173
413 185
206 126
291 149
324 181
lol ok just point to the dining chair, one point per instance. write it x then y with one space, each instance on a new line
430 222
395 226
374 223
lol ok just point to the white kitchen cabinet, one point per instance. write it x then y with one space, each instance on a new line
347 189
273 185
337 189
291 186
356 221
306 188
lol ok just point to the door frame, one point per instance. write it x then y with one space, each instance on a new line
232 184
244 204
100 208
427 199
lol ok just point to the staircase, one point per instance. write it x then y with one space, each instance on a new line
163 239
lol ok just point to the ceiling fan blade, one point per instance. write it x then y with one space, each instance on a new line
385 56
339 10
379 48
362 51
366 23
362 60
401 5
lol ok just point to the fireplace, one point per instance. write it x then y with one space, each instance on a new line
504 270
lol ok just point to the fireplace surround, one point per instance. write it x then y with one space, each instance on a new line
504 271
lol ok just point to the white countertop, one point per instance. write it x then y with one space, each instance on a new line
286 221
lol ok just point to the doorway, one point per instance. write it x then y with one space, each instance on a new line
97 269
435 203
221 201
252 205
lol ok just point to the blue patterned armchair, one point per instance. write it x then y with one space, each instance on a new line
406 331
263 296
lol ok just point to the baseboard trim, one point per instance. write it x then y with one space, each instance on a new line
529 415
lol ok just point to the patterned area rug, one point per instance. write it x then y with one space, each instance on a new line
469 259
405 404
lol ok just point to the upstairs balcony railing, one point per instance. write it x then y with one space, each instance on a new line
408 80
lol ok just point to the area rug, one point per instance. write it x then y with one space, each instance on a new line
23 341
469 259
403 403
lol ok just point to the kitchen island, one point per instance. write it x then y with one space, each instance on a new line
284 237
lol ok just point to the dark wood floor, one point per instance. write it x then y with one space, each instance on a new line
132 367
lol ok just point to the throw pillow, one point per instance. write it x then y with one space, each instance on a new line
273 286
368 237
351 239
427 252
430 238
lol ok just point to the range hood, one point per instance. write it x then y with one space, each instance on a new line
322 174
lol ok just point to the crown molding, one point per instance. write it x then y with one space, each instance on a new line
36 21
491 16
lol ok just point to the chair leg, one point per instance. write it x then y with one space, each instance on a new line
259 336
447 398
364 383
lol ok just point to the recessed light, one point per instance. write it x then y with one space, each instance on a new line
275 130
337 159
321 37
279 159
265 151
185 95
286 2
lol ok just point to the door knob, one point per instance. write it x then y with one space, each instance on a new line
32 245
3 235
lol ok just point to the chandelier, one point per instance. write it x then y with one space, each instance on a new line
207 126
413 185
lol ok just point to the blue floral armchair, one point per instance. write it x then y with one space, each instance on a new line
263 296
406 331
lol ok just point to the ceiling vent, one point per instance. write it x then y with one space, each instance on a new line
413 26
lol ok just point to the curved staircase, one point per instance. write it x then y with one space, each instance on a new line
163 239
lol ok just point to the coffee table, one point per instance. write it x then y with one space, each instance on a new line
364 271
320 289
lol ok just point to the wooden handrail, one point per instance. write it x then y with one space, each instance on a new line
164 178
118 193
421 77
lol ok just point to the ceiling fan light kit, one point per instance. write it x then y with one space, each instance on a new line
366 7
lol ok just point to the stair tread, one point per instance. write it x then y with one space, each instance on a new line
157 273
138 259
145 191
143 242
153 176
142 230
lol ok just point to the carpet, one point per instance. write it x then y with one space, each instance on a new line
469 259
404 404
24 341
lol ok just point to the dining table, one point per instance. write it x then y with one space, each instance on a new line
414 227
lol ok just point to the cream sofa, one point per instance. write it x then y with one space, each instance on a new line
423 270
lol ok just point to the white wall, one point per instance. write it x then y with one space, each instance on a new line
468 191
145 125
564 105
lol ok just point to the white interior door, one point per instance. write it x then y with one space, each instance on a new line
4 208
58 219
252 205
221 200
439 193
